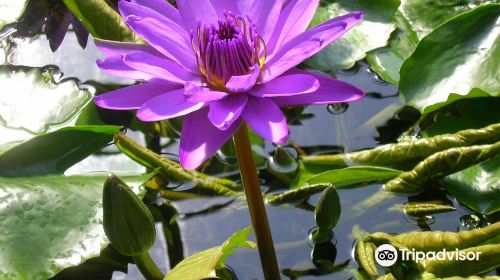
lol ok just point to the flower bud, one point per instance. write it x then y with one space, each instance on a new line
327 214
128 223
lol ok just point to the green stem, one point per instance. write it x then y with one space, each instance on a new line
256 204
148 267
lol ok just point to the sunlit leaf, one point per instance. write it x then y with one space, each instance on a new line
414 20
478 186
50 223
100 19
31 101
351 176
10 11
373 32
54 152
460 59
202 265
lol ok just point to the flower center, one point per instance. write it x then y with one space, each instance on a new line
230 49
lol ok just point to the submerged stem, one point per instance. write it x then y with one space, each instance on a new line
256 204
148 267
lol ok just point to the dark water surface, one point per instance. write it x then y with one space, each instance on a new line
375 120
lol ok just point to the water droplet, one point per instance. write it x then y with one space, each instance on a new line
337 108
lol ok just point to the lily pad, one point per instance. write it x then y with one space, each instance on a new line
55 152
414 20
478 186
373 32
50 223
458 60
203 265
10 11
33 101
425 16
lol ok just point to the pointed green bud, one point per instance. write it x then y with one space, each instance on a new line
128 223
327 214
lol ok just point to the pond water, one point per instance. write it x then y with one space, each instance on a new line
207 222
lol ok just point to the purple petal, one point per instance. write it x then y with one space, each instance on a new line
56 28
132 97
287 85
197 93
115 66
266 119
330 91
308 44
198 10
166 40
244 82
293 20
166 106
128 9
113 48
158 67
223 113
263 13
200 139
225 5
82 35
162 7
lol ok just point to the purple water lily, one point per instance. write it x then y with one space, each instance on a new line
219 63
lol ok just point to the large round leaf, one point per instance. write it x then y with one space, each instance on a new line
478 186
373 32
31 99
460 59
54 152
50 223
414 20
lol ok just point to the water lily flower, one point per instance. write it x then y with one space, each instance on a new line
219 63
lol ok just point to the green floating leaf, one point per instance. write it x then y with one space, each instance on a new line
408 151
170 169
460 59
54 152
488 259
203 265
50 223
437 240
100 19
345 178
31 102
327 214
353 176
128 224
478 186
373 32
439 165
